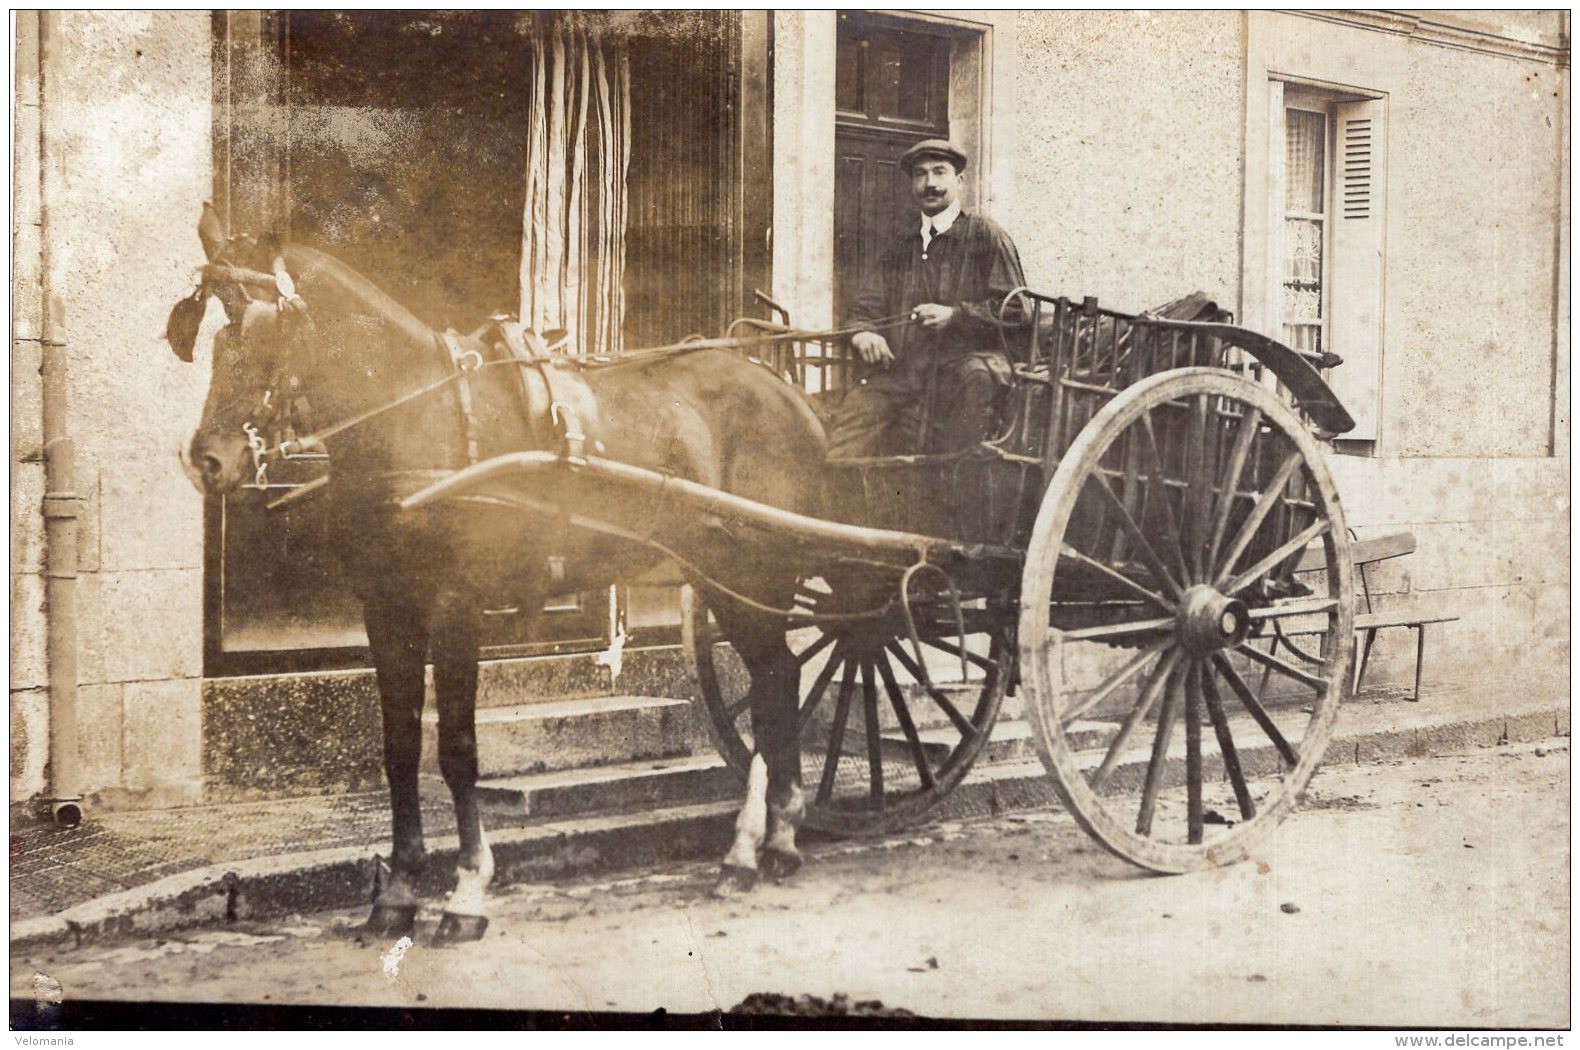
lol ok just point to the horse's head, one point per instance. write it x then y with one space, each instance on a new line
252 360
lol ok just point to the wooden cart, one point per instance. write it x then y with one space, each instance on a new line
1103 565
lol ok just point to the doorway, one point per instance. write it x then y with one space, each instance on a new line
891 90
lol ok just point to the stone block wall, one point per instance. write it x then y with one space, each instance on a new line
130 102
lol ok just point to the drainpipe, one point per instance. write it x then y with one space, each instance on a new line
61 500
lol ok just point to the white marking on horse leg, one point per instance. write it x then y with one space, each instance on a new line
469 897
752 823
783 820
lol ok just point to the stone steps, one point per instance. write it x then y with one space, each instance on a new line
657 671
557 735
641 785
702 776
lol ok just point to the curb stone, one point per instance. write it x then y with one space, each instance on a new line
276 886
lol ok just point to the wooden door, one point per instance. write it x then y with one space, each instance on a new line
891 91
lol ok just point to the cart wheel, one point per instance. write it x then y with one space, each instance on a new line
879 749
1145 605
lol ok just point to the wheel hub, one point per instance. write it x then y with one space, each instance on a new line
1209 621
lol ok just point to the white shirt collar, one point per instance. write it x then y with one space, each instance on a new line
940 222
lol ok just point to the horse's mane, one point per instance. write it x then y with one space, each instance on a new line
311 266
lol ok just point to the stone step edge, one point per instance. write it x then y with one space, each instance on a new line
574 707
270 887
653 783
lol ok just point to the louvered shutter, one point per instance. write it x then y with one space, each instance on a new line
1356 304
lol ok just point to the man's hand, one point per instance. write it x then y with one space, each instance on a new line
873 348
934 316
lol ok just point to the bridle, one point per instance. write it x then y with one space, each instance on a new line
281 406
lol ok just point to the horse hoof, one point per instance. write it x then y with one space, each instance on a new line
459 929
392 920
733 880
780 865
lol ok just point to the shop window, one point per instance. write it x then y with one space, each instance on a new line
403 142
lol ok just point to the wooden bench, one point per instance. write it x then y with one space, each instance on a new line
1367 621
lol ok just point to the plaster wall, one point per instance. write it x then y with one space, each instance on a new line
1132 166
131 94
1474 194
1127 154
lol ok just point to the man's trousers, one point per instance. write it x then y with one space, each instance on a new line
883 416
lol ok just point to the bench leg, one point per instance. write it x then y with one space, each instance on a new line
1366 654
1420 653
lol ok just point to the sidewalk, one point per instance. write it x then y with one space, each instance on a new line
134 872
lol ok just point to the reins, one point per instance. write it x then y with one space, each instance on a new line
462 370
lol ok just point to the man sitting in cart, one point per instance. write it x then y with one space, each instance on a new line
949 275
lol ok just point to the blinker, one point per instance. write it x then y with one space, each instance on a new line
185 318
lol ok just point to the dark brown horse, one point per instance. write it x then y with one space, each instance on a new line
303 324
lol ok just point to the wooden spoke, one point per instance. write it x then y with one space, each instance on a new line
815 648
1254 706
1117 630
962 723
1160 479
1143 545
1193 773
1303 607
1250 424
1197 470
1231 756
836 739
837 802
869 697
1131 458
1144 704
907 726
1114 681
809 598
1270 496
954 650
814 696
1160 753
1289 669
1067 551
1275 558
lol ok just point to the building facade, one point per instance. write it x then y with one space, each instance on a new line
1389 187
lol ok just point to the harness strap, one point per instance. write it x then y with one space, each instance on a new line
539 360
465 361
567 425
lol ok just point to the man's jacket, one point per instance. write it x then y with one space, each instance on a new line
971 266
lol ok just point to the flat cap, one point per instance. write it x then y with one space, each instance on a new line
933 148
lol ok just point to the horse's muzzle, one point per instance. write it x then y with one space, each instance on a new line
217 464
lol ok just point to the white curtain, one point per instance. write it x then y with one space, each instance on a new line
578 152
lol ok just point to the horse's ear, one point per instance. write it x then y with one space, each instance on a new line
211 231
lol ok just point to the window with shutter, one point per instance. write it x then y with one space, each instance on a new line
1326 163
1356 325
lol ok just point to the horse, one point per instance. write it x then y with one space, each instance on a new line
411 405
